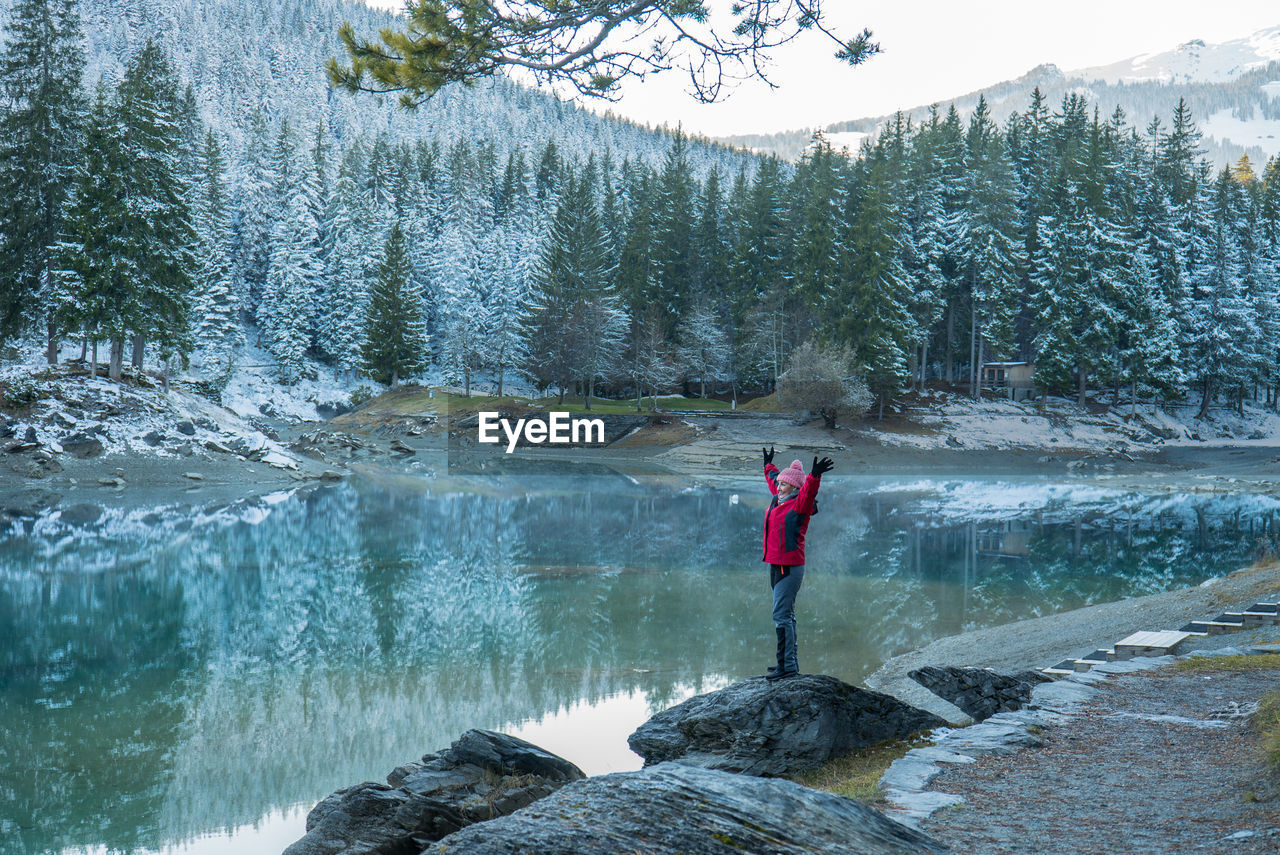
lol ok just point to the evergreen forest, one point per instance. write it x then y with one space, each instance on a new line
138 218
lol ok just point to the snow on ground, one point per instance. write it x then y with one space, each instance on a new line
943 420
1192 61
1257 131
131 419
128 420
254 389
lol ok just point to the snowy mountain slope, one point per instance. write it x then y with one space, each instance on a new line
241 54
1232 88
1192 62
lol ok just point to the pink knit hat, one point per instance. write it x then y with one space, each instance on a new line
793 475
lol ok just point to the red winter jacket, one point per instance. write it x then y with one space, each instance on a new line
786 522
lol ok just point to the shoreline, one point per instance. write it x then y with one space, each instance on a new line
702 451
1040 642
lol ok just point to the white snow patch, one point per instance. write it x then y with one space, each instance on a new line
144 410
254 390
850 140
1260 132
1193 61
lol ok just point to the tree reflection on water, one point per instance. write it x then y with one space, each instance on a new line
172 671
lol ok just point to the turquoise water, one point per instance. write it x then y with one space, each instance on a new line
193 679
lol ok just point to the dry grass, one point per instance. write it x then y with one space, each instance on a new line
1257 580
765 404
1266 721
1245 662
857 774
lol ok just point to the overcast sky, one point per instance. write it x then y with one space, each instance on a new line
934 50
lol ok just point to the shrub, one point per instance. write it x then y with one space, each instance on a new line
823 380
361 395
19 392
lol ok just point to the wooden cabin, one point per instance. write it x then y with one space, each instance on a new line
1014 378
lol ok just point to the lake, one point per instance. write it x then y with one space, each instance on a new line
192 678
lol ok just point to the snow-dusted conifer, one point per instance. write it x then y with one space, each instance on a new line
218 334
344 290
704 346
393 342
294 273
158 240
41 127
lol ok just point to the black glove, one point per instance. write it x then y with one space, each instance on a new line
820 466
768 454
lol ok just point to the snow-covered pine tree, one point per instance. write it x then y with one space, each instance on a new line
89 270
672 249
874 287
990 246
158 240
704 347
255 202
947 138
344 303
1224 323
1178 158
817 200
218 333
577 320
758 271
923 247
1258 278
41 126
393 341
462 271
1157 236
295 273
505 348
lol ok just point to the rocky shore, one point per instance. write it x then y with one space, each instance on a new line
712 781
710 785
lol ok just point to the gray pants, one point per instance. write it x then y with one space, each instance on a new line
786 584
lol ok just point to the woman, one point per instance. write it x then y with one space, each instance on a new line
795 499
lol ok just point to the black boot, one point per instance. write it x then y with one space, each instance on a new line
782 641
787 665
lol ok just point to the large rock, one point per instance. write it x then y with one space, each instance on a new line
81 444
759 727
481 776
980 692
676 807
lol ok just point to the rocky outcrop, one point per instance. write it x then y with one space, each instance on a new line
758 727
675 807
82 444
481 776
979 692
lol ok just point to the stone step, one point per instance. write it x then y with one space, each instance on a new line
1226 622
1150 644
1064 668
1097 657
1261 614
1196 627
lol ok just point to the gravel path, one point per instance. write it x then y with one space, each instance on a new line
1159 763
